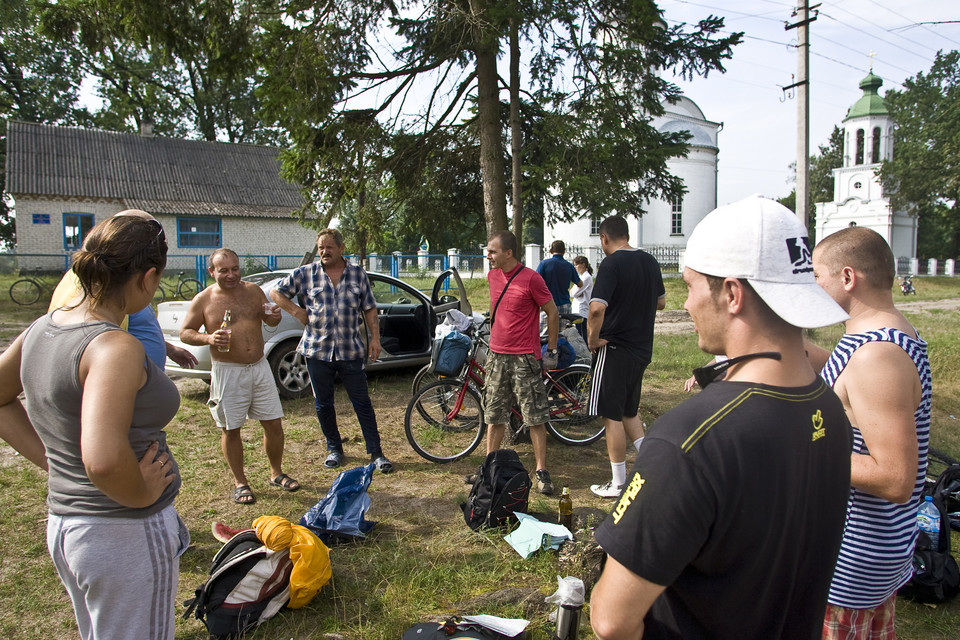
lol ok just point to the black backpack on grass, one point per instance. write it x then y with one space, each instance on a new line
248 584
501 488
936 576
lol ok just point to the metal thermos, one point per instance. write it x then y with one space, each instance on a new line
568 622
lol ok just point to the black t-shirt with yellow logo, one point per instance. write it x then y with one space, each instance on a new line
736 503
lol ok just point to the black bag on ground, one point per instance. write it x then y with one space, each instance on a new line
947 490
248 584
501 488
936 576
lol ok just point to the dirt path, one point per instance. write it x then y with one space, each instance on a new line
673 322
950 304
678 322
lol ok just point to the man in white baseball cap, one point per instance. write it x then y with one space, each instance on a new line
732 516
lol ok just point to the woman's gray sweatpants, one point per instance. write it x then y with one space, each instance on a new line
120 573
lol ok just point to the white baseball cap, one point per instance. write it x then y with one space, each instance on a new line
763 242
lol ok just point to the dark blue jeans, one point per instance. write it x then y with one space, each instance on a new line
354 378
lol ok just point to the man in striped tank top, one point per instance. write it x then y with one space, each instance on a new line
881 373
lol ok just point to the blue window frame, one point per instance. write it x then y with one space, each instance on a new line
199 233
76 226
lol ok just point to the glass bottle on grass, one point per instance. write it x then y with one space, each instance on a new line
565 508
225 326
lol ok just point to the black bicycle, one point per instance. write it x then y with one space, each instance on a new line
28 290
185 289
937 461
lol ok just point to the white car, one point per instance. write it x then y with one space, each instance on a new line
407 320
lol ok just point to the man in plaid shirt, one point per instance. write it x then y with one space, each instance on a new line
338 302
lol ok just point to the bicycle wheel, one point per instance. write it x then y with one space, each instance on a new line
444 422
567 394
159 295
189 288
423 378
24 291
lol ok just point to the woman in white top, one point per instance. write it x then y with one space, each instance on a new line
580 296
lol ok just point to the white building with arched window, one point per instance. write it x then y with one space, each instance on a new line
858 198
665 224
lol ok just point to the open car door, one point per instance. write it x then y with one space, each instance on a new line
445 296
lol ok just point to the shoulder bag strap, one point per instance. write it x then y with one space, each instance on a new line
493 316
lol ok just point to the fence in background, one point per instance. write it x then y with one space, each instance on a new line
929 267
397 264
407 265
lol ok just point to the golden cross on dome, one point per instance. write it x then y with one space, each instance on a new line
871 54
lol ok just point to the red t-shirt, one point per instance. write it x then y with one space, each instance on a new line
516 329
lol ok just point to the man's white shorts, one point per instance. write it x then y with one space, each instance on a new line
241 391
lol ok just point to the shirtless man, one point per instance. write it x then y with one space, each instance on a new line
881 373
241 384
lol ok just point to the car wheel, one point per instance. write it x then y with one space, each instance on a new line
289 371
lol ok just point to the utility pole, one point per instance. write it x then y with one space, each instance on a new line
802 13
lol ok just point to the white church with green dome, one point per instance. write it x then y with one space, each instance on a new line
858 197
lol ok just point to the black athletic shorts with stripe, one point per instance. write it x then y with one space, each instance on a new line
617 380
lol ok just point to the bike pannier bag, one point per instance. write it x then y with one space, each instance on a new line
450 353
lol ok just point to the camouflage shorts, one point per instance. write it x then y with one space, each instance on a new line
509 375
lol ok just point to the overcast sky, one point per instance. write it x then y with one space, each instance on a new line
759 136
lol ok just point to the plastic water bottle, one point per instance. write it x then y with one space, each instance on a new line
928 519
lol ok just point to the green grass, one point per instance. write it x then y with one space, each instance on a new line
420 561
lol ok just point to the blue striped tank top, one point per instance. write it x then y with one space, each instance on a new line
878 537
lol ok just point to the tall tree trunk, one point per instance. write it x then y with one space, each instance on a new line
491 140
516 136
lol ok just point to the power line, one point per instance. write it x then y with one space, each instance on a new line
872 36
725 11
881 28
922 24
854 67
885 30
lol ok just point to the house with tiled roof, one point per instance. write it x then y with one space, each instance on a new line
207 195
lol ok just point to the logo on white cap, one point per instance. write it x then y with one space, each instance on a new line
800 255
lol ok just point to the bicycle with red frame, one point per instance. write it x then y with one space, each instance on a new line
444 419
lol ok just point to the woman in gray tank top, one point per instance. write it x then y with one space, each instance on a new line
95 411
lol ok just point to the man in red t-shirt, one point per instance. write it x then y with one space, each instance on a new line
517 295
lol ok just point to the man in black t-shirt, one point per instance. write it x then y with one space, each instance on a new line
731 519
626 296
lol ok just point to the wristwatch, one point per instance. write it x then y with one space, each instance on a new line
551 352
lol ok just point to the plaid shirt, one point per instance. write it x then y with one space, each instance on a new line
334 314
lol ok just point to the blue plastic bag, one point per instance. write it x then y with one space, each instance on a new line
340 514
